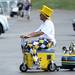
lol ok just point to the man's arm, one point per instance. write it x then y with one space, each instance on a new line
33 34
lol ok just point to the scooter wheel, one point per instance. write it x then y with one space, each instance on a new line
23 68
52 67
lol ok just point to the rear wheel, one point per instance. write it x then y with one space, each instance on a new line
52 67
71 69
23 67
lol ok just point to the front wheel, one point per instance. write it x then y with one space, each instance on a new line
52 67
11 14
23 67
1 29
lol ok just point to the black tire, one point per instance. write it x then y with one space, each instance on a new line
71 69
1 29
11 14
52 67
73 26
23 68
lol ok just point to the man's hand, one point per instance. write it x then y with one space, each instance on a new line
22 36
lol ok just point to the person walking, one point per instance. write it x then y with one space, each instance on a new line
20 6
27 8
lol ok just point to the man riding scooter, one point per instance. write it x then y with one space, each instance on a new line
46 30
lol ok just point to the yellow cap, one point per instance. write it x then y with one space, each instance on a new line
46 11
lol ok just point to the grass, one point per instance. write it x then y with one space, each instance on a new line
57 4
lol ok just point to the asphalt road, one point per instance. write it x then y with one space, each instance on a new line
10 50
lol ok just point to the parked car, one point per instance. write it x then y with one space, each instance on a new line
3 21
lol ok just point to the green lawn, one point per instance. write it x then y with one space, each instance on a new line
58 4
